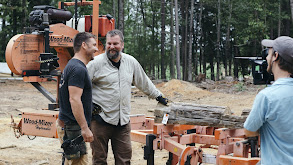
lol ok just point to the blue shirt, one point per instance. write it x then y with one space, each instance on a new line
272 115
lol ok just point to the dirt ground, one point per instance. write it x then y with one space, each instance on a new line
16 95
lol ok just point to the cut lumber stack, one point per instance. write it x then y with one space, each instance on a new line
196 114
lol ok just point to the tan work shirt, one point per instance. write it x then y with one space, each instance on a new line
112 86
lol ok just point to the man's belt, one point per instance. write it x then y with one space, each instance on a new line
96 109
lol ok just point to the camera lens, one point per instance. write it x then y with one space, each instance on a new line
265 53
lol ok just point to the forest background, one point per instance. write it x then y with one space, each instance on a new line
183 39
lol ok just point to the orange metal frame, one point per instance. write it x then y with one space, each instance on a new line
95 4
174 138
23 51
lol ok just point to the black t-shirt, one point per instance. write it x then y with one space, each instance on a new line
75 74
116 64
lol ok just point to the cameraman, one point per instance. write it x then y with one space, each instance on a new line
271 114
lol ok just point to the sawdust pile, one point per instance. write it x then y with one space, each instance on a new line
182 91
176 87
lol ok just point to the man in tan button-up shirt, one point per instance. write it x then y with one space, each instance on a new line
112 74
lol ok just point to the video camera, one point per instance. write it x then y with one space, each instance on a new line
259 69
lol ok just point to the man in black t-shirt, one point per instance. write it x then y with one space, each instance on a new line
75 91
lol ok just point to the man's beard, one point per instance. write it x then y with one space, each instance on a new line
112 56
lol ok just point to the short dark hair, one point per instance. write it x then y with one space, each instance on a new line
115 32
285 65
80 38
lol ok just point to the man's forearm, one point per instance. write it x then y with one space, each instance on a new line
78 112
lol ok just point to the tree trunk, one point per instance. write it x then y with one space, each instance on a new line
3 38
163 34
114 11
190 42
177 42
287 27
236 63
153 39
185 48
158 71
195 46
212 67
279 20
196 114
144 49
201 39
204 61
23 22
218 40
172 64
183 29
121 15
291 5
228 53
14 17
142 12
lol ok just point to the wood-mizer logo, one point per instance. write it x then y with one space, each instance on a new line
60 39
39 123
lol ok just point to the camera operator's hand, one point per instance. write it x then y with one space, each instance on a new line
87 135
162 100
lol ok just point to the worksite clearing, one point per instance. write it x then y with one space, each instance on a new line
17 95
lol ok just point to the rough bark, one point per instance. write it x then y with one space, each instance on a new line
228 53
23 21
153 40
177 42
218 40
14 21
163 36
201 39
196 114
212 67
183 32
190 42
172 64
121 15
142 12
114 11
185 47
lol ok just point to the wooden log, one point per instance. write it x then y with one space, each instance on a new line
196 114
245 112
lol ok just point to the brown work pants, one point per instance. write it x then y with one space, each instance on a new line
120 142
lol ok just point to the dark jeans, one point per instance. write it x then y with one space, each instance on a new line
72 132
120 141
